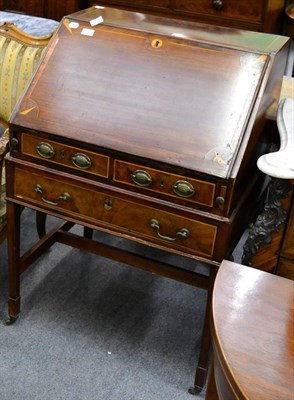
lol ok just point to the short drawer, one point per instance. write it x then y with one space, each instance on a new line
250 10
58 153
193 190
163 228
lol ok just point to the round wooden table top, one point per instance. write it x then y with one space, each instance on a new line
253 334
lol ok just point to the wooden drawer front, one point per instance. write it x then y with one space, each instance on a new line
241 9
69 156
101 209
138 3
162 182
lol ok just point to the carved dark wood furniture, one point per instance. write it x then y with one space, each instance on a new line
285 265
262 15
253 335
264 243
128 129
54 9
270 242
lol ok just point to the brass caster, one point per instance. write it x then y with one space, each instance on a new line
194 389
11 320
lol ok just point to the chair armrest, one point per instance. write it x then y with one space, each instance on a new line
3 126
4 148
4 142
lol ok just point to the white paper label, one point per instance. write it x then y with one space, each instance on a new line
88 32
96 21
73 25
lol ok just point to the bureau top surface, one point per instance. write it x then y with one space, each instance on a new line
152 93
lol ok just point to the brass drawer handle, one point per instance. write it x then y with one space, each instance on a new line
45 150
64 197
184 233
183 189
81 160
141 178
217 4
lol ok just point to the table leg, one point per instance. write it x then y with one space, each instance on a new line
41 226
203 361
41 223
88 233
13 242
211 391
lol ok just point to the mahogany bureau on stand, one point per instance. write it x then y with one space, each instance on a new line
146 128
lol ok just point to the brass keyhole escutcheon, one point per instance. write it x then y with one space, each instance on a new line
108 205
156 43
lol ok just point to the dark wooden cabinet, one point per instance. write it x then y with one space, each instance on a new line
262 15
56 9
53 9
286 260
270 242
30 7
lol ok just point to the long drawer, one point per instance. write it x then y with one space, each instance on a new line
258 15
110 210
248 10
241 9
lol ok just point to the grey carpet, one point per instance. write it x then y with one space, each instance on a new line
92 329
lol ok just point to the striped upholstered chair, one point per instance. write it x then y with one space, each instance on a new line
20 54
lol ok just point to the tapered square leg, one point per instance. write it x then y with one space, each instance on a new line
203 363
13 243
